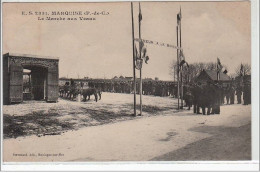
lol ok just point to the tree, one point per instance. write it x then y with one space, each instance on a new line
173 70
194 69
243 69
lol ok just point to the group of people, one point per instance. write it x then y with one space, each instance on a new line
111 86
208 96
156 88
211 95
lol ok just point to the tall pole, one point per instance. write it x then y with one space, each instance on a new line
217 68
181 69
181 90
133 59
174 73
141 90
178 69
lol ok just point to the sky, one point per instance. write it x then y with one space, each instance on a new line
103 48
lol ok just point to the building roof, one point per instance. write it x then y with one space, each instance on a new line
213 75
129 77
31 56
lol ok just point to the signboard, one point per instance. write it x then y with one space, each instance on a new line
158 43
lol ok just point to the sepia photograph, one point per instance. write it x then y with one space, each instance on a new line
88 82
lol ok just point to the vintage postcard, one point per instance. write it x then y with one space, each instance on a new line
128 82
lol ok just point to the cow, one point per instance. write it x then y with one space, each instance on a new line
88 92
73 91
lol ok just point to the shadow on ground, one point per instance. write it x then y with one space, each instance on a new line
56 121
227 143
153 109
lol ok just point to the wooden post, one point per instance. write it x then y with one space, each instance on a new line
178 69
174 73
133 59
141 89
181 68
141 92
181 71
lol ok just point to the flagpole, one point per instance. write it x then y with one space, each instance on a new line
217 70
181 68
141 89
178 69
174 73
133 59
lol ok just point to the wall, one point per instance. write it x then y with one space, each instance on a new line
5 80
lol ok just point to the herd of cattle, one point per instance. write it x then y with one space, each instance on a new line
70 91
208 96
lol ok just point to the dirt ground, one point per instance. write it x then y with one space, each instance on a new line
107 131
41 118
216 147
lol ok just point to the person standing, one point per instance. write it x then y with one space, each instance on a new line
196 94
216 98
222 95
227 94
232 95
247 94
71 82
238 93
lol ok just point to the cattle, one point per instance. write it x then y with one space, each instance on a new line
71 91
74 90
88 92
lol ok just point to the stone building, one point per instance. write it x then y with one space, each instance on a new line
30 77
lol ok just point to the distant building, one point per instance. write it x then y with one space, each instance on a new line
211 75
147 79
121 77
129 78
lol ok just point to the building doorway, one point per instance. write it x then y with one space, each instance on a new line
30 77
34 83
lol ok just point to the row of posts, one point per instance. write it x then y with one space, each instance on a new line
179 69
